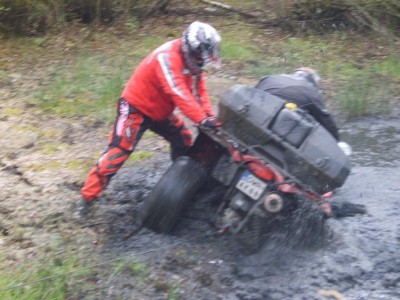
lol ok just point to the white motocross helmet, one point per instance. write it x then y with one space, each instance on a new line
201 47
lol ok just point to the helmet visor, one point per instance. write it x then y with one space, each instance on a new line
211 56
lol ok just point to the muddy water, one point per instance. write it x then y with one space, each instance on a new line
360 258
354 258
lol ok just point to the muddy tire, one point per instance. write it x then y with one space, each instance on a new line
168 199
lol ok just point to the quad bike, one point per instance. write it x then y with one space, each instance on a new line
265 158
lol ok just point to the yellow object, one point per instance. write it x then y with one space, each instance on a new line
291 106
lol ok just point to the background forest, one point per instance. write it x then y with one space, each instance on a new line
38 16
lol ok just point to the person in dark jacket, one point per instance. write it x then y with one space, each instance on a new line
302 87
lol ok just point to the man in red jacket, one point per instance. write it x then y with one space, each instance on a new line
170 77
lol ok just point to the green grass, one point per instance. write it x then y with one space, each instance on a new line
369 90
234 52
174 294
363 88
237 47
40 280
130 266
366 95
67 276
388 67
91 84
140 155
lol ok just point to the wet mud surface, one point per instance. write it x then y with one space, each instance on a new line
349 258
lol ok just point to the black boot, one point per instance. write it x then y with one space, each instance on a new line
83 209
347 209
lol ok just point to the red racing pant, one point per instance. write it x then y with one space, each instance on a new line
128 129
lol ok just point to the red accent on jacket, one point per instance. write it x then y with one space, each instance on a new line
161 83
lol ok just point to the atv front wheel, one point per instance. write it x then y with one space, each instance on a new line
164 205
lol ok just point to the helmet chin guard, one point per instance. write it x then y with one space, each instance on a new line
201 47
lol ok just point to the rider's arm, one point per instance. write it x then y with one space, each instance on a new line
205 101
175 87
318 110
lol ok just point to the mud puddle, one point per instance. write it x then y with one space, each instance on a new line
351 258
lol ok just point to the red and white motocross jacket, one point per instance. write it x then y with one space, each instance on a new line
161 83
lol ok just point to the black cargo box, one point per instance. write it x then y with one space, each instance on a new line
291 141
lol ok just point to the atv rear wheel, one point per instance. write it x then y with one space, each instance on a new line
164 205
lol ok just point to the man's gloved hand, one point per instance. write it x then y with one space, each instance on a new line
211 122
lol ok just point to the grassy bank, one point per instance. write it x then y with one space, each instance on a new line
361 74
77 274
